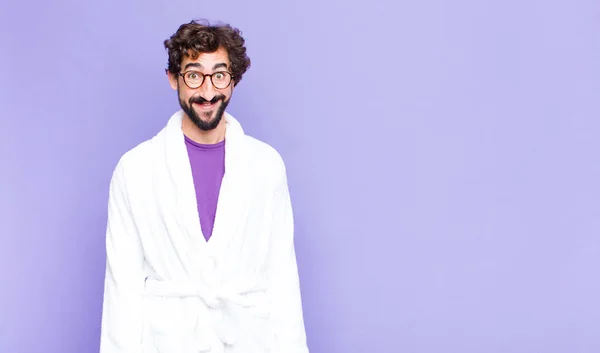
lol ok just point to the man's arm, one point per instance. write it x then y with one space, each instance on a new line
121 330
284 291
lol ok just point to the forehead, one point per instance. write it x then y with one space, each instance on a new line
207 60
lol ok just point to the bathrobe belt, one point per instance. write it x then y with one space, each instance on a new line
222 303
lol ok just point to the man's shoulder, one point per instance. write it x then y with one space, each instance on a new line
262 152
138 157
266 163
136 154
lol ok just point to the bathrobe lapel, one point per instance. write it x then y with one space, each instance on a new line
233 196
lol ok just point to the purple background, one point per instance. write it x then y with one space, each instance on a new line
442 155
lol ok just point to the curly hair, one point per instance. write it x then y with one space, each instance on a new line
195 38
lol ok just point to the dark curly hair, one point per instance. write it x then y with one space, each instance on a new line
195 38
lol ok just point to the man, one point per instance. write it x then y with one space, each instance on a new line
199 241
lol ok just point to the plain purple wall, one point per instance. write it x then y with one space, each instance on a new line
443 160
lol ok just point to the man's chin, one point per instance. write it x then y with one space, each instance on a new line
209 124
206 123
206 115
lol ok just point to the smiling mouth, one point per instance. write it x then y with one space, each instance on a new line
206 105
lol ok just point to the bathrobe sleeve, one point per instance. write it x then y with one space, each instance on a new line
121 328
284 291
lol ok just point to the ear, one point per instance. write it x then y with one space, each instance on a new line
172 79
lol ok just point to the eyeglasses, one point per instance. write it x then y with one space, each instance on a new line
195 79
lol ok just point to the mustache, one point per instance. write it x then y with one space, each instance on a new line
200 100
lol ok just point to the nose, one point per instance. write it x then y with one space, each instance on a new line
207 90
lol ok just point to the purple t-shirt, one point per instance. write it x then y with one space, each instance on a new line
208 167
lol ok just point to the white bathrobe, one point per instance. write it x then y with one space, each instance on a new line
167 289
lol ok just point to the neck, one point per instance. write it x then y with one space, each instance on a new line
203 137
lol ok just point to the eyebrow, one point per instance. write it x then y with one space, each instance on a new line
200 66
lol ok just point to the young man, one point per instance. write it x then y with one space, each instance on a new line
199 241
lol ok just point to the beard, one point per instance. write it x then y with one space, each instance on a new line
209 119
